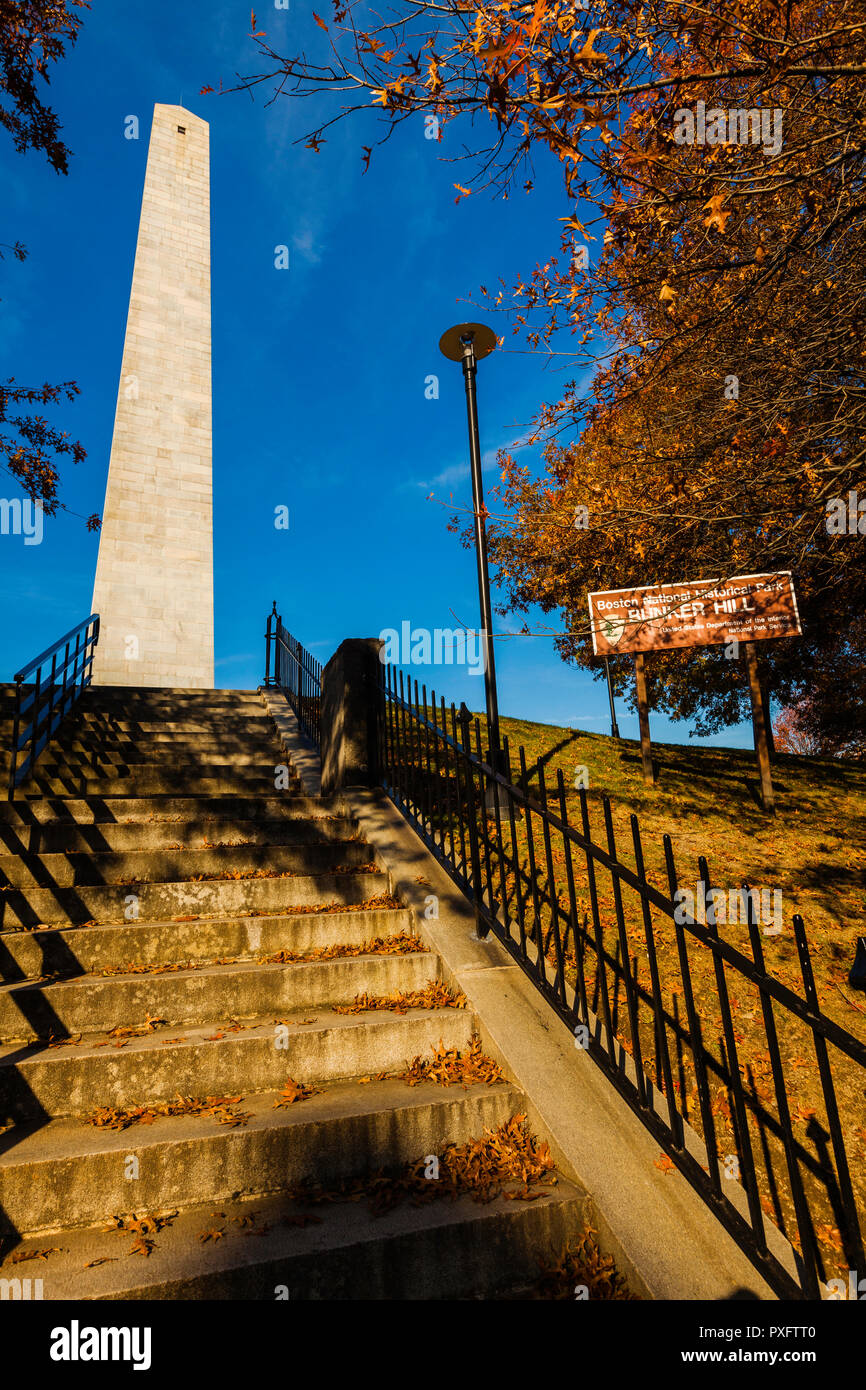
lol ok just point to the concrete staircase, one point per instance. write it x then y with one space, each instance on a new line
166 914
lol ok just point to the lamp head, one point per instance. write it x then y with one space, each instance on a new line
478 336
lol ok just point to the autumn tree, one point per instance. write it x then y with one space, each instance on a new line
34 34
791 737
707 277
831 718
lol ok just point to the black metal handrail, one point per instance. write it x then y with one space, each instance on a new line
289 667
481 825
45 701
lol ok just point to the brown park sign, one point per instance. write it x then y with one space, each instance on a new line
747 608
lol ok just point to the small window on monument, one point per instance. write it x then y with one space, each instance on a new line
181 130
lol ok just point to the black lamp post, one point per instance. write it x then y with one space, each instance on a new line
469 343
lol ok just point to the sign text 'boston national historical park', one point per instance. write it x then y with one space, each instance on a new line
654 618
704 612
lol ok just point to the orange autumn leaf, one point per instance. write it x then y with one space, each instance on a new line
294 1091
832 1236
717 218
143 1246
588 53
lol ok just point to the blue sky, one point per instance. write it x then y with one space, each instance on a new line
319 371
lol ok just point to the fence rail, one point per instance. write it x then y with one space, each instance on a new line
290 668
698 1036
58 675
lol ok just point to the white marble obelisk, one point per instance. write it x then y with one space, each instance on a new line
154 574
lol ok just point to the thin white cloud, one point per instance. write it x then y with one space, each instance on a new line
231 660
457 473
307 242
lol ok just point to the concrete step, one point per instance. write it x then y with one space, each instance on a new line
218 762
155 902
77 739
109 710
66 1173
55 951
219 1058
178 746
90 867
129 729
173 708
207 993
97 763
165 809
100 695
152 781
441 1250
151 694
63 837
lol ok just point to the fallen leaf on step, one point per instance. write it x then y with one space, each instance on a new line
143 1246
103 1260
213 1234
665 1164
233 1119
26 1255
294 1091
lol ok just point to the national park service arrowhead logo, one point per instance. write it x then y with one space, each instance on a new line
613 630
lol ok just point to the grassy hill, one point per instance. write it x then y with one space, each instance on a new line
706 799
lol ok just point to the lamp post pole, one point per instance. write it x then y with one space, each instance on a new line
469 343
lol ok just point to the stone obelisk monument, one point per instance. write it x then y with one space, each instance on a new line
154 574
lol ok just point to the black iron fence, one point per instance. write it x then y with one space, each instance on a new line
46 689
290 668
752 1091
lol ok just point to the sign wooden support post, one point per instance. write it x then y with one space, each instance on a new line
759 724
643 720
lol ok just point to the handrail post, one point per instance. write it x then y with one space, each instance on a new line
270 637
75 660
65 682
51 697
34 725
16 724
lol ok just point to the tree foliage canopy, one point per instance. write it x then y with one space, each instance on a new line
34 34
704 289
